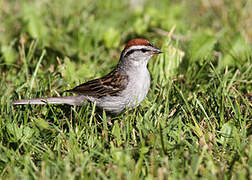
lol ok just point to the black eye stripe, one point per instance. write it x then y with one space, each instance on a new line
133 50
129 52
144 50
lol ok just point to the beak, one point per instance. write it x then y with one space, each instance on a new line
156 51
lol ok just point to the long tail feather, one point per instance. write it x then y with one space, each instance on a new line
71 100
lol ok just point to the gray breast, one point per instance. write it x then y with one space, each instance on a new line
138 87
135 92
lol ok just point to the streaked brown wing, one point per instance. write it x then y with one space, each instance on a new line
108 85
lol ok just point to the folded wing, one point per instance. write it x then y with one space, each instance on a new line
108 85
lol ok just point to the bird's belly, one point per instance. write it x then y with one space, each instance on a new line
130 97
138 89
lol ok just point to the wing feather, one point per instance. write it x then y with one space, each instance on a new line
108 85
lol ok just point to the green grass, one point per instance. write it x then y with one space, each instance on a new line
196 122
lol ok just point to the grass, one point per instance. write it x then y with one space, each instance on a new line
194 124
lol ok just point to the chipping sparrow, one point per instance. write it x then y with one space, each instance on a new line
126 86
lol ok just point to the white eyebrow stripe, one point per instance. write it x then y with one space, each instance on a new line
137 47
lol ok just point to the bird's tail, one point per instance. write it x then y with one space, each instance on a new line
71 100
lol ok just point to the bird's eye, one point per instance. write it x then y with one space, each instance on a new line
144 50
134 50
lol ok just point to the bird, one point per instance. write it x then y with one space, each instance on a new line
126 86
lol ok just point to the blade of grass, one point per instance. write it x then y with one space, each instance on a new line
36 69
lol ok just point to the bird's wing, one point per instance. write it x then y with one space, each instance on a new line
108 85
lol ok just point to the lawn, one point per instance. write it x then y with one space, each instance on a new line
196 122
